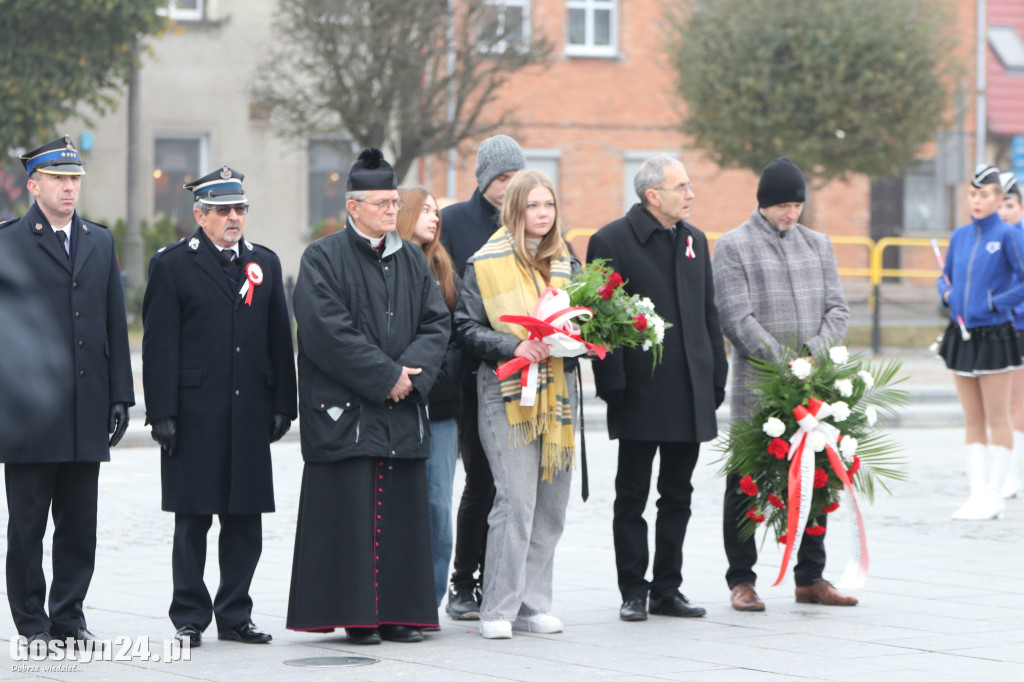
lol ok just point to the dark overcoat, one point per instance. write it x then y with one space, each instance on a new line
222 368
677 402
362 317
85 296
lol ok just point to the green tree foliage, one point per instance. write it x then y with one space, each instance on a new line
56 56
377 72
838 86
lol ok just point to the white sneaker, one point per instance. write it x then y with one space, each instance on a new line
542 622
495 629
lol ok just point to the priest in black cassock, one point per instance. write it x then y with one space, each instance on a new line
372 333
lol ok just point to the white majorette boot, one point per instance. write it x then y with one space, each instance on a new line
1012 484
976 476
998 465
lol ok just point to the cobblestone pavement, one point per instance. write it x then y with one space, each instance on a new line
943 600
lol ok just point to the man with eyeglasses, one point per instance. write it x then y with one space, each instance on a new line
372 332
776 282
53 465
669 409
218 370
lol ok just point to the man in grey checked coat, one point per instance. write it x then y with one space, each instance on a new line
776 284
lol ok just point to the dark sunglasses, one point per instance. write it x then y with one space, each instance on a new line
225 210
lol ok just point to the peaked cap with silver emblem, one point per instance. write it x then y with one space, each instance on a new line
223 186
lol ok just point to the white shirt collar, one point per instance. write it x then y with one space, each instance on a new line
373 242
65 229
233 247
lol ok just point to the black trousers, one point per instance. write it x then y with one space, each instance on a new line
632 486
742 554
71 489
239 548
477 495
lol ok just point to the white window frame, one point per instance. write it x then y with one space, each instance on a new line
204 154
172 11
502 46
588 48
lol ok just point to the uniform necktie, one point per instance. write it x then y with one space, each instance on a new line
229 265
64 242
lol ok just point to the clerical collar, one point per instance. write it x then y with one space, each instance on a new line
374 243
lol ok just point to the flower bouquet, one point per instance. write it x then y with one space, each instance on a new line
619 319
812 440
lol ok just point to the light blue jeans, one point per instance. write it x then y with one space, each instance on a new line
444 451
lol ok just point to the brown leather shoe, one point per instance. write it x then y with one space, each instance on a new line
822 592
744 598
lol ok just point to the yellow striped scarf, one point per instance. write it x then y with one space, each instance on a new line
508 286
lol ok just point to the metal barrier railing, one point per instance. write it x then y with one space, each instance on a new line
875 272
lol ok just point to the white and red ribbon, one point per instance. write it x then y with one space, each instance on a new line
801 489
552 323
689 247
253 277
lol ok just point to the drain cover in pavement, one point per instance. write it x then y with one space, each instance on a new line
324 661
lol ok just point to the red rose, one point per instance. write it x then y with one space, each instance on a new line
752 513
855 466
615 281
748 486
640 322
605 292
776 502
782 539
820 478
778 447
829 508
816 530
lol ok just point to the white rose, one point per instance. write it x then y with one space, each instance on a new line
816 441
870 415
845 387
839 354
658 324
774 427
801 369
645 303
840 411
848 446
647 344
866 377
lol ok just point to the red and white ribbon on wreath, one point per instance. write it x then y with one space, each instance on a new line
552 323
253 278
801 489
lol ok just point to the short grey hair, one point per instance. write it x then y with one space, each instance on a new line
357 195
652 173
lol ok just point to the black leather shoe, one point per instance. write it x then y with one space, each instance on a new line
192 633
246 633
674 604
43 637
78 634
401 633
363 635
633 609
463 604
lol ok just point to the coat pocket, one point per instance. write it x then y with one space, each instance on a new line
336 422
190 377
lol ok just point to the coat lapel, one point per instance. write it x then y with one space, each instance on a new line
82 244
47 240
206 259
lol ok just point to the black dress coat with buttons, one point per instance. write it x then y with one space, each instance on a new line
85 296
222 368
677 402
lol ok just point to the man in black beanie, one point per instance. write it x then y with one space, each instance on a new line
372 333
776 281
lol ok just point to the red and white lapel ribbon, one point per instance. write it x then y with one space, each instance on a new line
253 278
552 323
689 247
801 489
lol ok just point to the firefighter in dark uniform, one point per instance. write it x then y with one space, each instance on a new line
219 376
73 270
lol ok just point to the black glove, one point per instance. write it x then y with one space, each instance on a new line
615 399
719 397
165 432
118 422
279 426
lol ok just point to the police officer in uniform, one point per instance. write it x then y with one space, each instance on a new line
74 271
219 376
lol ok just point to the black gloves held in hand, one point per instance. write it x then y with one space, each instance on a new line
165 432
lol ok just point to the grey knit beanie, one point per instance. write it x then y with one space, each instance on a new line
495 156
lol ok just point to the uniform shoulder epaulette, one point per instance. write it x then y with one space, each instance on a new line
259 247
90 223
169 247
8 222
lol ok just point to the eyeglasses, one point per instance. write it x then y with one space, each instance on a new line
240 209
688 187
384 205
